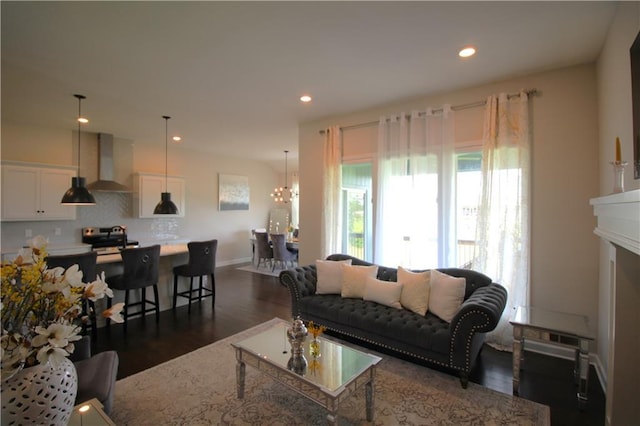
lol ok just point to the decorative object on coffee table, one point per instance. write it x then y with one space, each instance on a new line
314 345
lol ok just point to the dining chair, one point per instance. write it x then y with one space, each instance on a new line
87 264
281 253
265 252
252 238
141 270
202 262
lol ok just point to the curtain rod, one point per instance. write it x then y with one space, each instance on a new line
530 92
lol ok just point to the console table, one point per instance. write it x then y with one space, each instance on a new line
555 328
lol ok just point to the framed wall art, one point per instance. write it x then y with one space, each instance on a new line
233 192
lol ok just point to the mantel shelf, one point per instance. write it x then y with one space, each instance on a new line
619 219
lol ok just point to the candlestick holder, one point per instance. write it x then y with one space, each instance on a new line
618 176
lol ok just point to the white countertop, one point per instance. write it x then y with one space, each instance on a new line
165 250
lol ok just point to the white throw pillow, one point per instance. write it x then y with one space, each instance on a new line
415 290
354 279
383 292
446 296
329 274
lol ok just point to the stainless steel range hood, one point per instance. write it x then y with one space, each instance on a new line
106 182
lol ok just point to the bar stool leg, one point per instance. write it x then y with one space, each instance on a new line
124 311
108 307
143 301
213 291
200 289
155 293
175 291
190 291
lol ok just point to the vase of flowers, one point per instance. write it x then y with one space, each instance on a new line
41 316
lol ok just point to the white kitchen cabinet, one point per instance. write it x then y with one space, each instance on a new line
148 187
33 192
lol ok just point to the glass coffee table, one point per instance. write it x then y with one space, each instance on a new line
556 328
327 379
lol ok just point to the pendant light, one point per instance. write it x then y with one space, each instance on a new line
165 206
78 194
284 194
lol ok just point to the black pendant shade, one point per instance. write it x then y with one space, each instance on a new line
165 206
78 194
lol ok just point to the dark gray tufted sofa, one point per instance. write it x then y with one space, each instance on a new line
454 346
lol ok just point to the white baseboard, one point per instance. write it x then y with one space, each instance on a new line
568 353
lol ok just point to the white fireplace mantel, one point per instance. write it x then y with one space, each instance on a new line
619 219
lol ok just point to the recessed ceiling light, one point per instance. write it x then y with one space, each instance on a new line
467 51
305 98
83 120
177 138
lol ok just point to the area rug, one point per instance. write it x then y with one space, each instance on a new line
199 388
261 270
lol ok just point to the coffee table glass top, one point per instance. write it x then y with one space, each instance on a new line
336 366
576 325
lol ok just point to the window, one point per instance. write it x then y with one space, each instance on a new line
357 216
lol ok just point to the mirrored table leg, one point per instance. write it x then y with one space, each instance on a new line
518 354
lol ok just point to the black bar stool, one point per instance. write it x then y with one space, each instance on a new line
202 262
87 264
141 270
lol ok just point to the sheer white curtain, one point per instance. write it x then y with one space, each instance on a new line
414 154
331 230
295 201
502 240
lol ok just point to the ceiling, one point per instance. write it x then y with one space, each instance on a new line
231 73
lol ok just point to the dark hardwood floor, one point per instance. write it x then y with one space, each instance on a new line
245 299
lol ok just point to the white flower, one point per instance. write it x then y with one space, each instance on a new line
38 242
113 313
97 289
51 354
73 276
57 335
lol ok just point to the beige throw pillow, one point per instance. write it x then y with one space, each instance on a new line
329 274
447 294
415 290
354 279
383 292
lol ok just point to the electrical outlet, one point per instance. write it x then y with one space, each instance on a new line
57 231
28 233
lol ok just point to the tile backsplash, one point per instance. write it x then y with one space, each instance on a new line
110 209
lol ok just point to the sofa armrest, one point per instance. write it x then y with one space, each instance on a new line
301 282
480 313
484 308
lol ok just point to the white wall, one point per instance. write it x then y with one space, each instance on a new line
202 220
564 250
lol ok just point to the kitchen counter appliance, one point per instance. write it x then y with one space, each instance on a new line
107 240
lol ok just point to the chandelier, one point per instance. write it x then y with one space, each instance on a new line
284 194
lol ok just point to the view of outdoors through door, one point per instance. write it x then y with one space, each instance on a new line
356 202
468 192
357 238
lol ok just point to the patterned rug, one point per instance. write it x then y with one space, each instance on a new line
199 388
